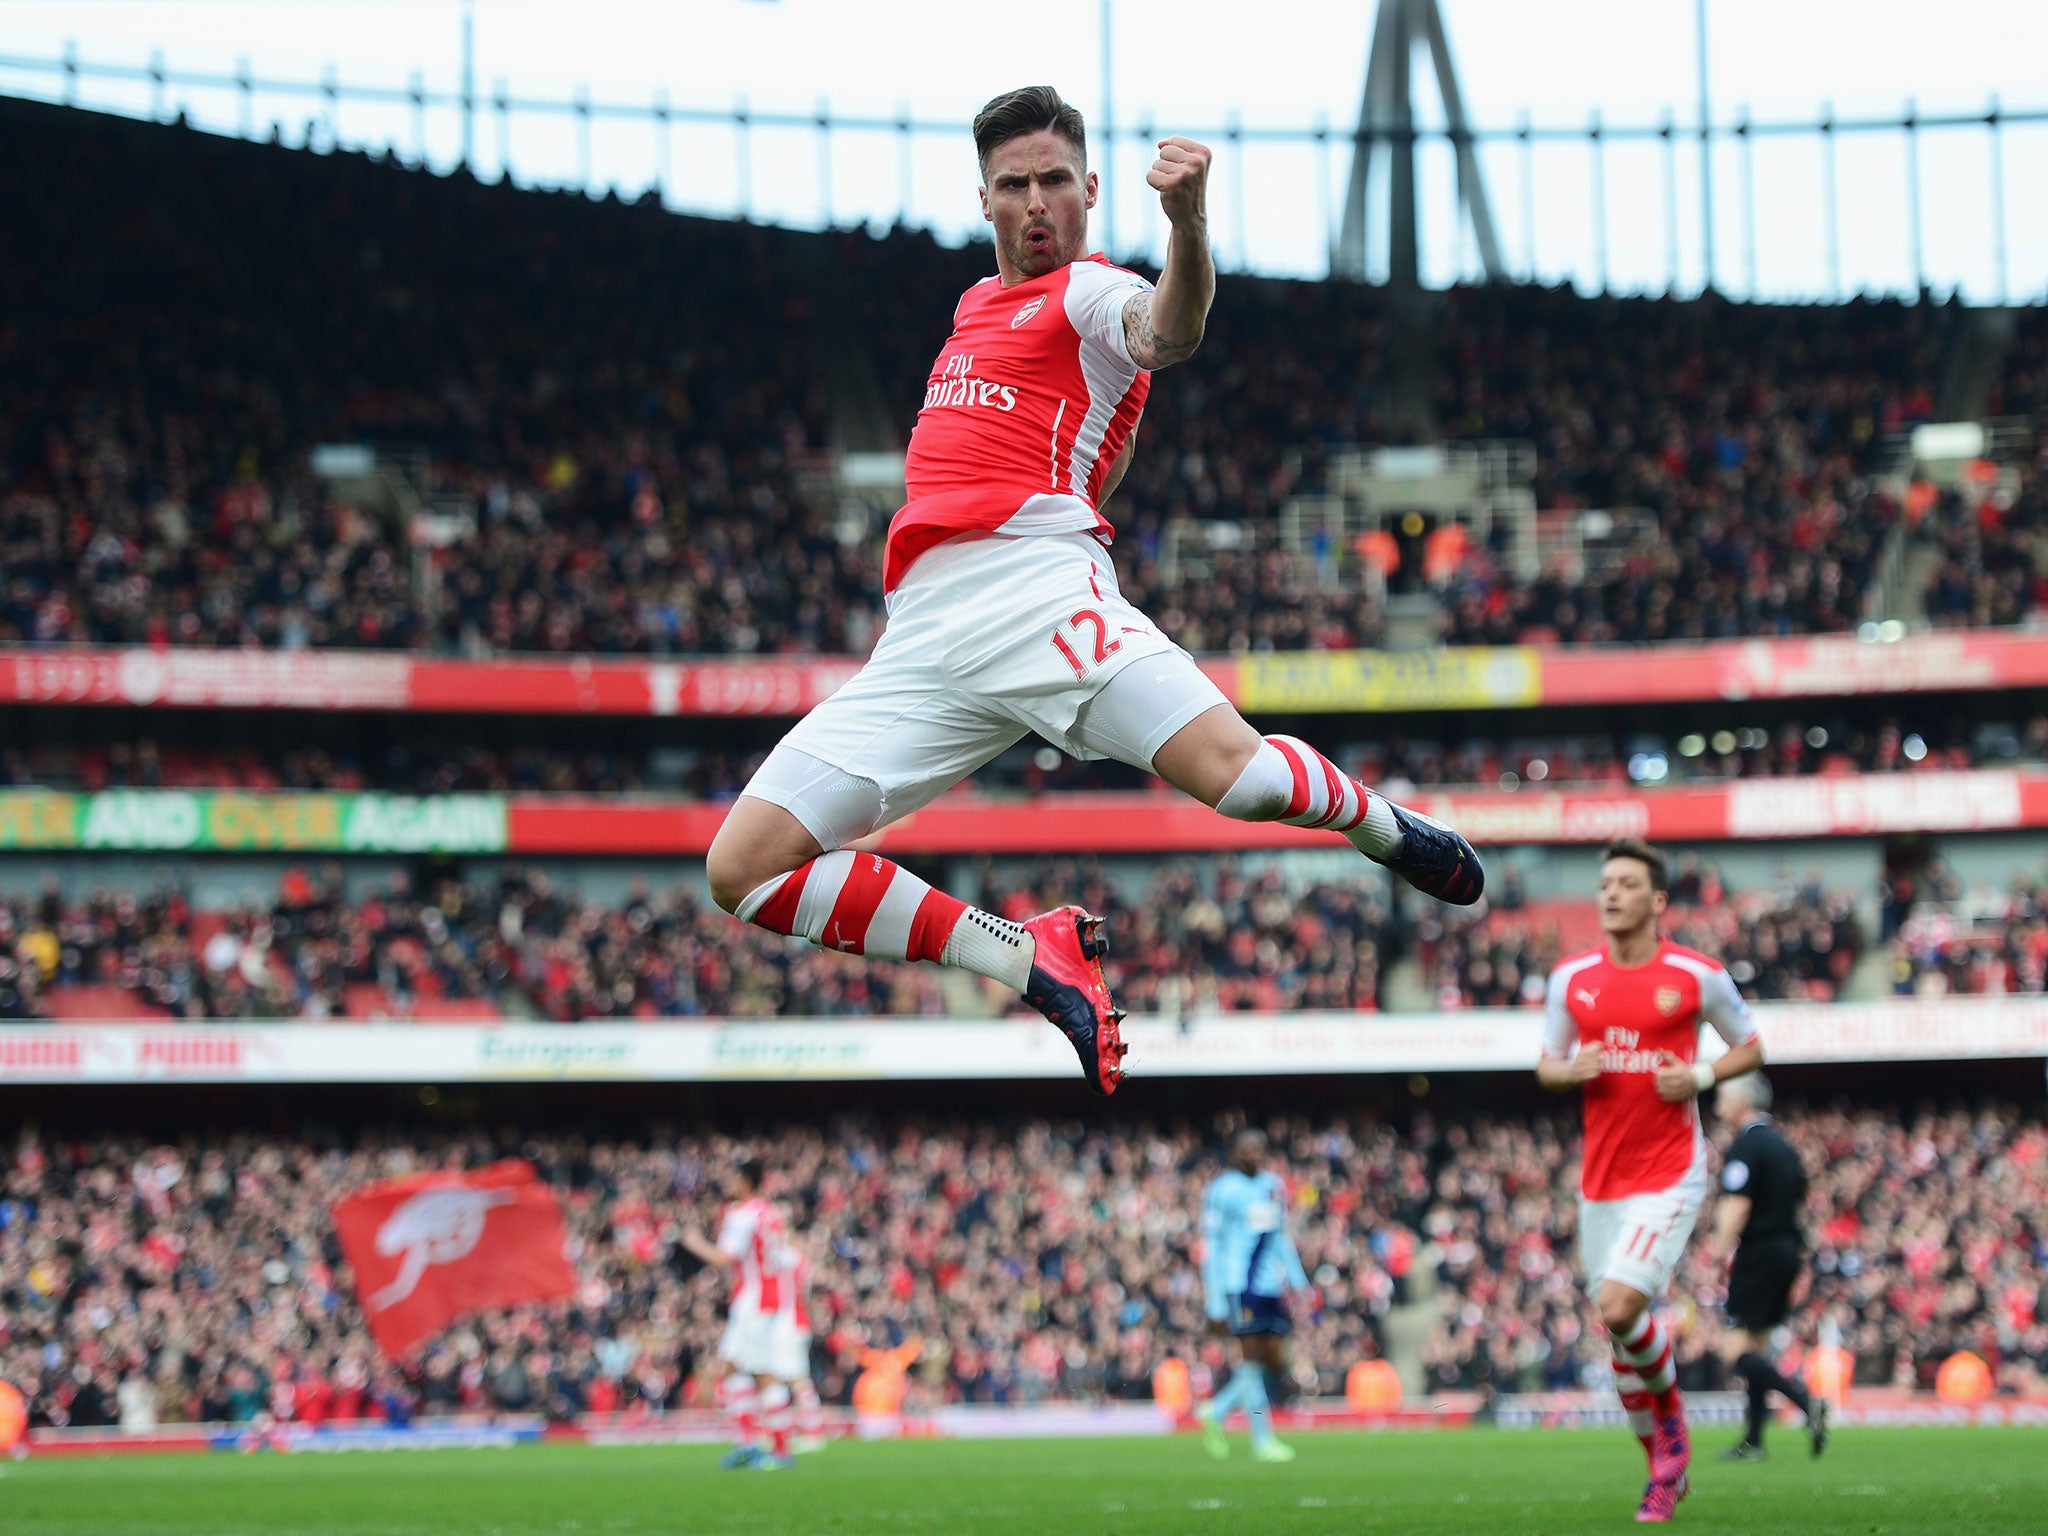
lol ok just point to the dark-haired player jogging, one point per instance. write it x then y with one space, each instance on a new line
1005 616
1622 1025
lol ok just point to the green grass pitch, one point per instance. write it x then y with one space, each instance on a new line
1871 1481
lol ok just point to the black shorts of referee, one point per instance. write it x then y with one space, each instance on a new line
1760 1282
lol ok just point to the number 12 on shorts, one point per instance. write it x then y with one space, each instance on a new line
1082 623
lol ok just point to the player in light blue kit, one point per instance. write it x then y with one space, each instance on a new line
1248 1264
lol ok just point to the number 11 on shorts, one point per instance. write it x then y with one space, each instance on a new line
1104 647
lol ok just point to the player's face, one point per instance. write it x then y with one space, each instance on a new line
1037 193
1628 903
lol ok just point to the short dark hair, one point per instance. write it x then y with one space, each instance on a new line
1636 848
750 1170
1031 109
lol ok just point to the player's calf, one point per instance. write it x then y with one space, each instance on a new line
1287 780
1643 1346
1637 1403
864 904
775 1417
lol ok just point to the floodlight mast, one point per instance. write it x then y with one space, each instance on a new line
1387 116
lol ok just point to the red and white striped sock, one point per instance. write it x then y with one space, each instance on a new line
1646 1348
742 1406
810 1413
775 1416
1636 1403
864 904
1288 780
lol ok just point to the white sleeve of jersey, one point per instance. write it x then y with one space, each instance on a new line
1722 1006
736 1231
1096 296
1560 1029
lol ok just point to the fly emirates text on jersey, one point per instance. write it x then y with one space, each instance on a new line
1621 1051
958 386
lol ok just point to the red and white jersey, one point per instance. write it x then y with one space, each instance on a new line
1635 1142
753 1233
796 1289
1030 402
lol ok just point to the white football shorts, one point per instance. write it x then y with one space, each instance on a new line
1638 1241
748 1343
988 640
790 1347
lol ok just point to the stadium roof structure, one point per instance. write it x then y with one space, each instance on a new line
1387 114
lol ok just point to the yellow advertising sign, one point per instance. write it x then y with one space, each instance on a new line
1450 677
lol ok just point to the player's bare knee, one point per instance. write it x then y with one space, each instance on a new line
726 868
1207 757
735 873
734 869
725 874
756 842
1619 1309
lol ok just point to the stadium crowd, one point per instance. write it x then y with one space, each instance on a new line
1197 936
1752 446
1924 1231
520 944
526 946
629 462
1990 540
634 449
420 761
412 762
1792 941
144 1282
1947 940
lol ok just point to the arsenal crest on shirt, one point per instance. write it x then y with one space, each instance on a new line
1668 999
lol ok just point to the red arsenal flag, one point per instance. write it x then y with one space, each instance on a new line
429 1247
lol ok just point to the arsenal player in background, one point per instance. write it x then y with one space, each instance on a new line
1622 1025
753 1249
1005 616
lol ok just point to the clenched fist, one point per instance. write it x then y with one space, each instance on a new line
1181 178
1674 1079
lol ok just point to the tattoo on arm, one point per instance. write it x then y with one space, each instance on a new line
1149 349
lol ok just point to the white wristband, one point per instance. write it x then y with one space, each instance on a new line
1702 1076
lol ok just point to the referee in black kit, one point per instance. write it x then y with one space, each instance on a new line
1762 1189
